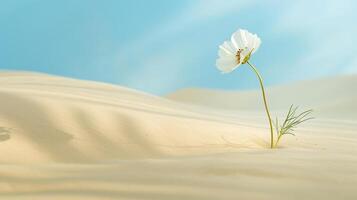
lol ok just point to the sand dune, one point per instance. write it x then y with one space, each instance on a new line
333 97
63 138
49 118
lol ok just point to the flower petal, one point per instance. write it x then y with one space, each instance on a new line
226 64
257 43
228 48
223 53
253 42
250 41
238 39
242 39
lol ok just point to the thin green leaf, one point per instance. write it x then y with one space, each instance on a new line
291 121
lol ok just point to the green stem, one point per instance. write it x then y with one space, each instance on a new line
265 104
277 141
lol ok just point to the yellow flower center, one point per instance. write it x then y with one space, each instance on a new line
238 55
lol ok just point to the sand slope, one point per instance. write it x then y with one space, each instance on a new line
333 97
47 118
63 138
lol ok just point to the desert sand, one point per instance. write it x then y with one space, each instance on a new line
63 138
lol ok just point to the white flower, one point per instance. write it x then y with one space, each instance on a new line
237 51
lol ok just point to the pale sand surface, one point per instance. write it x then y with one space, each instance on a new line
63 138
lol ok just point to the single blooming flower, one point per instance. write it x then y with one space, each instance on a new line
238 51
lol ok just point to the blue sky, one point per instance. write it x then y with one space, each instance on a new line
159 46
